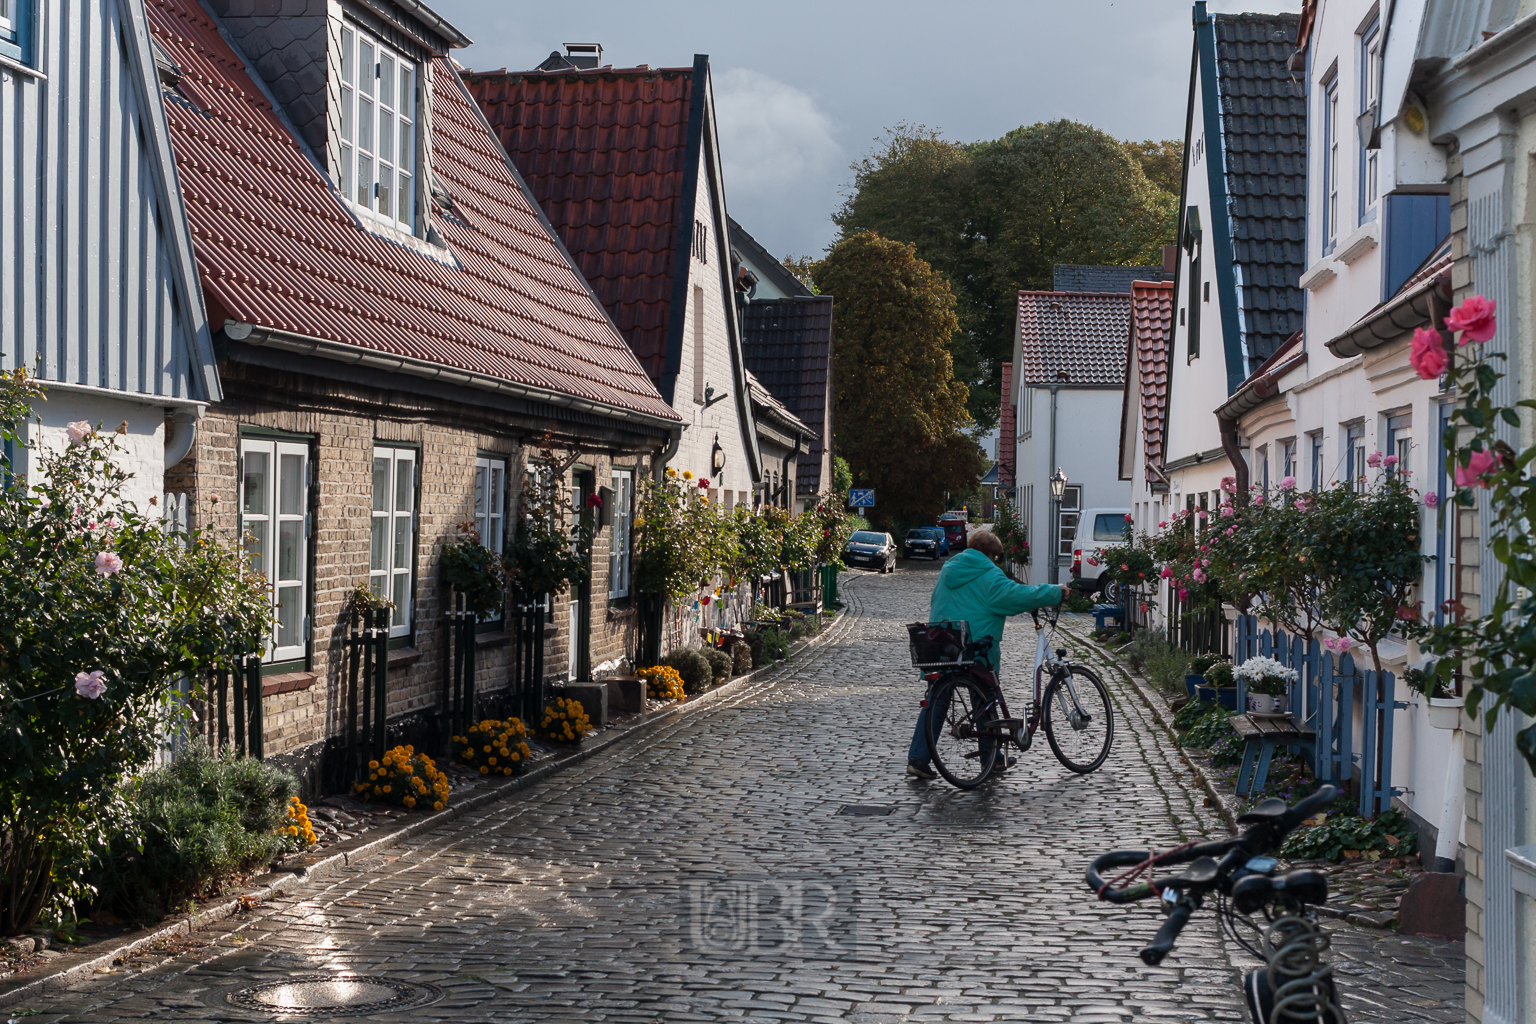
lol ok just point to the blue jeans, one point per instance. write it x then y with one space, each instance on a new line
919 752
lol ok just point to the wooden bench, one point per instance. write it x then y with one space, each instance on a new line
1261 735
1104 612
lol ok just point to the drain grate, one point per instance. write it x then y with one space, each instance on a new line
331 995
866 810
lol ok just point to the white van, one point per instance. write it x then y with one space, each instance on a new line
1097 528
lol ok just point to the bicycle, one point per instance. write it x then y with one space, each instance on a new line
968 719
1293 986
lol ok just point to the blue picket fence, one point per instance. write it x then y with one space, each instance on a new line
1348 708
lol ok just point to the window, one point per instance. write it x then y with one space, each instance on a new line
1192 245
1330 163
16 29
1288 458
491 502
1354 457
1317 459
700 242
1261 457
1026 412
274 520
618 542
1446 519
1066 525
1109 526
1370 75
378 128
392 547
1399 440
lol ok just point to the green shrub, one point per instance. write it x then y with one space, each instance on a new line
1151 654
1210 728
202 819
775 644
692 666
1344 835
1202 664
719 663
1220 675
1189 714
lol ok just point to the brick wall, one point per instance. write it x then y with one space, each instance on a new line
344 424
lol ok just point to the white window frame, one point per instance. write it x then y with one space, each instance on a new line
386 577
1370 74
491 502
1354 456
261 527
365 113
1071 506
622 518
1330 225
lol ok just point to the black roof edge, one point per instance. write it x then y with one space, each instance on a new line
741 238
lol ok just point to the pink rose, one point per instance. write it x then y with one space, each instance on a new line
1200 512
1373 460
90 685
1183 595
703 483
1129 519
1226 510
78 431
1231 530
1125 568
1229 484
1474 319
1472 473
1163 525
1288 483
1258 499
108 562
1166 573
1198 576
1428 354
1205 562
1432 499
1390 461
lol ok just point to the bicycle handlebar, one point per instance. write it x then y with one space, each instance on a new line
1163 942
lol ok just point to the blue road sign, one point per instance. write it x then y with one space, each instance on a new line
861 497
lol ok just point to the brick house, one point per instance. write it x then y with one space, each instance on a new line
398 330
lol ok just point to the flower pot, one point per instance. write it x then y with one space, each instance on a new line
1445 712
1265 704
1224 695
1192 682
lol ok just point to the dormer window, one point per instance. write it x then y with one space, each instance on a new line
378 128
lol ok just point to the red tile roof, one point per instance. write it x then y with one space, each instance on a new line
1073 338
1151 341
278 249
605 153
1007 439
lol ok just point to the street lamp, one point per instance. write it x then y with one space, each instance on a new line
1058 488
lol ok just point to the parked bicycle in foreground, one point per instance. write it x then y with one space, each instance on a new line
969 726
1294 986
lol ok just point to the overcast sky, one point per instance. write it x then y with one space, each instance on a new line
803 87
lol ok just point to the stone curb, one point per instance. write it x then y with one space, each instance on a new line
365 848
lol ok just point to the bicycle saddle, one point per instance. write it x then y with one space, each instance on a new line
1267 811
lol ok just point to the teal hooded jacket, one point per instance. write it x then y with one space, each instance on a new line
974 590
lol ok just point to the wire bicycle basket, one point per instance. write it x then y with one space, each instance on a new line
939 645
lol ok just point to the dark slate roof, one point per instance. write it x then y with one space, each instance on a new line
1075 277
1073 338
1264 136
788 346
751 249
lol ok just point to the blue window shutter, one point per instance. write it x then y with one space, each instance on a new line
1415 226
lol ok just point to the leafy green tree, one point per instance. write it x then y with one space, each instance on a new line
899 410
1162 162
996 217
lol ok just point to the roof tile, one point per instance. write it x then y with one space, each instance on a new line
787 344
276 247
1151 339
1073 338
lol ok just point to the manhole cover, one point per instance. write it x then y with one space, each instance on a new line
866 810
331 995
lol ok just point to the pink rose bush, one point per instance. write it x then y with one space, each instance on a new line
1428 355
1474 473
90 685
1474 319
108 562
1373 460
1432 499
78 431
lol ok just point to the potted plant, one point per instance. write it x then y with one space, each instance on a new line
1268 684
1197 670
1443 707
1220 685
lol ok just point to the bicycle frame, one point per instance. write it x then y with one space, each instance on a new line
1022 735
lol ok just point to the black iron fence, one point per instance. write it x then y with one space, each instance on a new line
459 627
527 628
1198 627
367 686
238 692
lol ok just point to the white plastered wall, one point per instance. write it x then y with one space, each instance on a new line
142 446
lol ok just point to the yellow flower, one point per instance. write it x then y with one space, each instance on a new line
671 473
386 789
506 771
373 764
515 757
491 760
486 748
484 770
437 806
687 474
409 801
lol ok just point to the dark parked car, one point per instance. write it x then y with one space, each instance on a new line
927 542
871 550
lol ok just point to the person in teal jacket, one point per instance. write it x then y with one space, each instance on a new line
973 589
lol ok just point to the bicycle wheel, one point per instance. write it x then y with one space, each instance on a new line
1079 741
954 708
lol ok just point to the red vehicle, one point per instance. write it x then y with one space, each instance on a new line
954 529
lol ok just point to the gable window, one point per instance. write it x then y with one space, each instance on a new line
16 29
700 242
1330 210
391 547
618 542
1370 74
378 128
1192 247
274 520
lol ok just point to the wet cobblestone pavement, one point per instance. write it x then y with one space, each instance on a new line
705 873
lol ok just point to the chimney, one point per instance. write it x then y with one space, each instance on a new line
1170 259
585 56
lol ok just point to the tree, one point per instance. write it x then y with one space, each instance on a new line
1162 162
996 217
900 412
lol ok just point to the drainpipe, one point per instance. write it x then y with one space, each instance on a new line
1448 839
182 433
1056 518
1230 445
659 464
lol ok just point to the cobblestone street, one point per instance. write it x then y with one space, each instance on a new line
652 882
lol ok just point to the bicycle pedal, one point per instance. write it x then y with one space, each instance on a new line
1009 724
